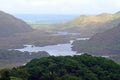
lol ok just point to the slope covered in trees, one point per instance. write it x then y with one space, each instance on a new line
9 25
83 67
105 43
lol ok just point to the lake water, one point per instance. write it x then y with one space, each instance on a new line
57 33
56 50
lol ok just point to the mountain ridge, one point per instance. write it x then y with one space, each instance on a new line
88 25
10 25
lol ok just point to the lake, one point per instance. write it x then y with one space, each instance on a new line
56 50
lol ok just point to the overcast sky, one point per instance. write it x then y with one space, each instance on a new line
59 6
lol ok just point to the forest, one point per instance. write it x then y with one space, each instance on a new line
77 67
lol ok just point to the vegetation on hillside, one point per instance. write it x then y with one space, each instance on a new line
87 25
10 58
102 43
83 67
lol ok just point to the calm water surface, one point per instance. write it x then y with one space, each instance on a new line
56 50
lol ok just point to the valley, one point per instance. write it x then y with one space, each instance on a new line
62 39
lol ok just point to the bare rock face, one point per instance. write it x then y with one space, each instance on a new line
9 25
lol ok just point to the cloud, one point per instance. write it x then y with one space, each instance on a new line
60 6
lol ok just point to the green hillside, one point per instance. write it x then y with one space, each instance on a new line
105 43
84 67
87 25
90 25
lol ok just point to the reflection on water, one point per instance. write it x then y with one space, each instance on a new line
56 50
65 33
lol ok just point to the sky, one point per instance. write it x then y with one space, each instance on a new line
60 6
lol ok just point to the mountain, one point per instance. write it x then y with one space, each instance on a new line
82 67
10 25
89 25
105 43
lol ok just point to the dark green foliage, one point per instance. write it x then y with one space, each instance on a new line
83 67
5 74
70 77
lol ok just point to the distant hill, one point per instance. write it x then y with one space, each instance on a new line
104 43
10 58
9 25
83 67
90 25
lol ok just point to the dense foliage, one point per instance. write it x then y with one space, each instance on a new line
83 67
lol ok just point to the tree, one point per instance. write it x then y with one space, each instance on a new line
5 74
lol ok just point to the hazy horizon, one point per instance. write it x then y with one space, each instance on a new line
77 7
